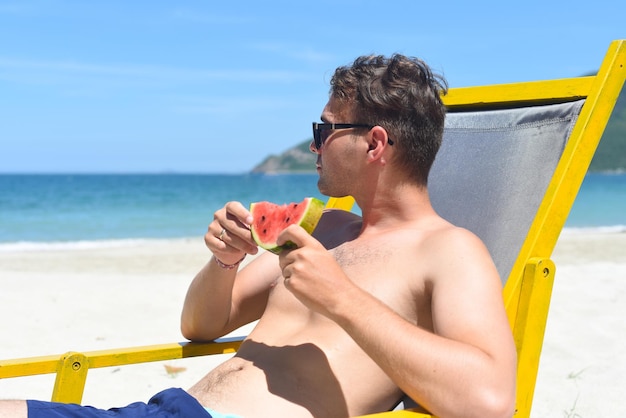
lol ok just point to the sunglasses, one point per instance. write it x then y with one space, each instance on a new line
321 131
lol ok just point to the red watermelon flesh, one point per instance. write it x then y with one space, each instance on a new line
269 219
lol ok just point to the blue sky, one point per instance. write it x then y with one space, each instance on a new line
202 86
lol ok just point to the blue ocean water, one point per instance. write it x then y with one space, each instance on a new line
37 210
65 208
601 202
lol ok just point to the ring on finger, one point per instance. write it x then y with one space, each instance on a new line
222 234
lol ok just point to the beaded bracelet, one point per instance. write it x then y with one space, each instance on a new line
228 266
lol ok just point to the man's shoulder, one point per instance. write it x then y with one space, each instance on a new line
450 238
457 251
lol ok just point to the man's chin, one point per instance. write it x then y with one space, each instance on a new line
322 186
329 193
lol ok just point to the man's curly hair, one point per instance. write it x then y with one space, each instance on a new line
402 95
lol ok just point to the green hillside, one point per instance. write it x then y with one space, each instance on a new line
610 155
295 160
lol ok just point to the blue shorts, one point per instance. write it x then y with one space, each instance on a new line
170 403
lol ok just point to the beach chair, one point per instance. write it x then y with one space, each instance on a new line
512 161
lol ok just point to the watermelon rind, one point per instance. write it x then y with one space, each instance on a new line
308 221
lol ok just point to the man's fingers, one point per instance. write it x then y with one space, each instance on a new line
236 211
230 230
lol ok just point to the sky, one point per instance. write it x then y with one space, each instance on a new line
214 87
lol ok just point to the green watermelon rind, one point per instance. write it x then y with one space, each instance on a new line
309 221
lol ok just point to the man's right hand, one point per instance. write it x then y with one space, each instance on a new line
228 236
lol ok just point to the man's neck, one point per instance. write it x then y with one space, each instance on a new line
394 208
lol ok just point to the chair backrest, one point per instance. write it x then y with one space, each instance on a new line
494 168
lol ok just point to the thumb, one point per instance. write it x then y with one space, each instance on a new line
294 235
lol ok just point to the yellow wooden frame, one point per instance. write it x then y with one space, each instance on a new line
528 289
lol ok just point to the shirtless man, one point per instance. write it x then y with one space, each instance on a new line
367 308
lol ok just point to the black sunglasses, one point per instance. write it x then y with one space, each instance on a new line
321 131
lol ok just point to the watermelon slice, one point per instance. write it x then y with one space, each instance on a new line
270 219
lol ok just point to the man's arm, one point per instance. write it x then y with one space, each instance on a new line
221 299
466 367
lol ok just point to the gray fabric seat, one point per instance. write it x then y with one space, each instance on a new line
493 169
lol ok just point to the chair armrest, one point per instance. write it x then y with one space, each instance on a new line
71 368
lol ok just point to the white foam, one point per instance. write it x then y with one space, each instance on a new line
31 246
611 229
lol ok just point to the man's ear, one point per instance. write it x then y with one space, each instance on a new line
377 143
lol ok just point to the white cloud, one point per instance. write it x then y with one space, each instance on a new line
298 52
15 8
50 67
234 106
212 19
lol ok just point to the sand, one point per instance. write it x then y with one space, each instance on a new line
67 299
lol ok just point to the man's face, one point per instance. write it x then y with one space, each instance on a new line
336 156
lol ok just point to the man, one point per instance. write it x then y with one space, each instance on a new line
398 301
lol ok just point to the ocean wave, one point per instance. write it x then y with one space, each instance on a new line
28 246
32 246
611 229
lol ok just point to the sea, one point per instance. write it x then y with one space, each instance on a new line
65 211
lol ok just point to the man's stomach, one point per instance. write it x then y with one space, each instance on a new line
260 381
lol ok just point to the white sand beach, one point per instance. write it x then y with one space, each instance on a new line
58 300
